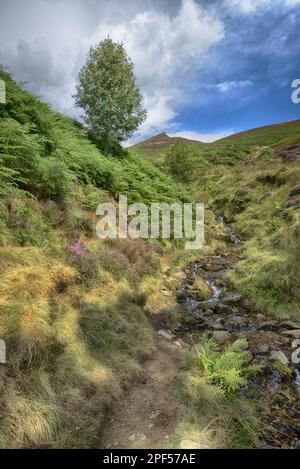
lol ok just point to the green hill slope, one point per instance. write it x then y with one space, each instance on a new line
268 135
71 311
153 149
253 180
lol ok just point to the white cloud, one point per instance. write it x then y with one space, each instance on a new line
164 49
203 137
226 86
166 46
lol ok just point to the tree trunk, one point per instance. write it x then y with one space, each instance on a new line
106 148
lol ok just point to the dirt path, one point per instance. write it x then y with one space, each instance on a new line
147 415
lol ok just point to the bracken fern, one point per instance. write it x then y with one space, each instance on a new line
227 369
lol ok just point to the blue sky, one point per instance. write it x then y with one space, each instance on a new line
207 68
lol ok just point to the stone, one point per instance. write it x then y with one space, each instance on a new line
280 356
268 326
209 306
247 304
232 299
166 335
221 336
217 326
181 344
293 333
224 309
200 289
260 317
260 347
242 191
294 202
189 444
291 324
295 191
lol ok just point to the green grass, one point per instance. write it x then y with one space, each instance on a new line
215 415
277 134
244 179
74 324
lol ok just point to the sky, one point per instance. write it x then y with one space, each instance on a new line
206 68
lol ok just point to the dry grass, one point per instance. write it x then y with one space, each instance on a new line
70 347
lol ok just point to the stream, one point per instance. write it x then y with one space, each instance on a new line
226 316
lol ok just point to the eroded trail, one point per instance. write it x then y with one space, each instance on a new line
148 414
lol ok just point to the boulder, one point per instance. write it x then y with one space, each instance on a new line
200 289
280 356
290 324
260 317
260 347
293 333
217 326
232 299
166 334
221 336
268 326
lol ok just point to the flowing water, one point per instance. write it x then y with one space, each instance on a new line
227 312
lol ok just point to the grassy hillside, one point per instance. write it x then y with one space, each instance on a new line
253 180
154 148
268 135
71 307
260 198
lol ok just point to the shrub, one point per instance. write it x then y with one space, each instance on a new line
114 262
180 162
27 224
227 369
86 262
55 179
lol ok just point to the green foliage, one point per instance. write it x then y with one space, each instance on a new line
27 224
228 368
276 134
73 319
180 162
45 154
214 415
108 94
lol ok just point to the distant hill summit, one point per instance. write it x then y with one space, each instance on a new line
161 141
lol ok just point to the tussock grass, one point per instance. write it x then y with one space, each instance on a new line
215 415
69 353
